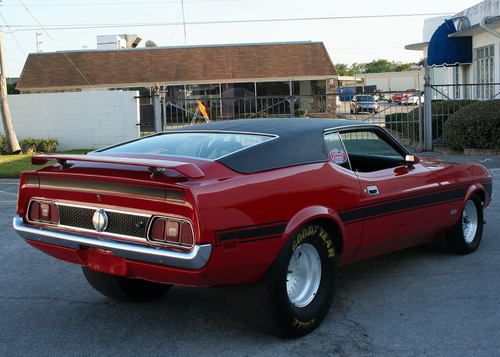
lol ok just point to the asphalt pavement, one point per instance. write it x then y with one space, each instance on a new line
421 301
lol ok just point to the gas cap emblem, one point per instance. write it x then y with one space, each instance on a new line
100 220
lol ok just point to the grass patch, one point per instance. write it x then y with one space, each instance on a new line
12 165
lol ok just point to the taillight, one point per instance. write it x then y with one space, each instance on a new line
44 212
173 231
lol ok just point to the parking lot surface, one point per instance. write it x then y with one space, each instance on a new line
421 301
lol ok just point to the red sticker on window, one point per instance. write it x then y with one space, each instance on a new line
337 157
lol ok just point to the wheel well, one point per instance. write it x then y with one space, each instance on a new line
332 227
481 195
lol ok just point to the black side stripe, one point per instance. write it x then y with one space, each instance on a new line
252 233
402 205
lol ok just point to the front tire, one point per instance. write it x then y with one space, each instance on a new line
466 234
297 291
124 289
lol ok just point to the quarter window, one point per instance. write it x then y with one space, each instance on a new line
335 149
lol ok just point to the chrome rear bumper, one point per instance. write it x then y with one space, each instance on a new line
195 259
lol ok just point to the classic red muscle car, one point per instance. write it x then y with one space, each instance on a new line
275 202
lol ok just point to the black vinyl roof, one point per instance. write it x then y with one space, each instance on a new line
299 141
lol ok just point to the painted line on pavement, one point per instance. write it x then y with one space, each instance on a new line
8 193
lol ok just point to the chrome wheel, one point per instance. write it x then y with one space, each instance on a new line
304 275
469 221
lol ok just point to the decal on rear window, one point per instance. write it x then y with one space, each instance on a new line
337 156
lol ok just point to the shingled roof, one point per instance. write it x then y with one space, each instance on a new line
191 64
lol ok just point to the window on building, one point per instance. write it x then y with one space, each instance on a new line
238 90
311 95
456 81
484 62
201 91
273 89
175 92
238 100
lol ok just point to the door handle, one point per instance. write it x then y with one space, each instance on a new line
372 190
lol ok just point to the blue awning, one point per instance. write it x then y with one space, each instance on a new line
448 51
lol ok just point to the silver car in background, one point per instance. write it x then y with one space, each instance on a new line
364 103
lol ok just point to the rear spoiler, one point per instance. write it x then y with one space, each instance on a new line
186 169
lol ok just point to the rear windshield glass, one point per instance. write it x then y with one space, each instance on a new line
200 145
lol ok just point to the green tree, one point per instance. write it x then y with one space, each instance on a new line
358 68
399 67
11 89
378 66
343 69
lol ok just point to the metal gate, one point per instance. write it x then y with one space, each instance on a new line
187 111
446 99
400 113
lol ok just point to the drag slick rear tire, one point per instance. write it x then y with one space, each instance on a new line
124 289
297 291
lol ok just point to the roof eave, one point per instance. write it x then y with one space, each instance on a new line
420 46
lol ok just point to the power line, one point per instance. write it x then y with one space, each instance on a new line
220 22
12 34
49 36
107 3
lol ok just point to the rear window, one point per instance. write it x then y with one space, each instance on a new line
202 145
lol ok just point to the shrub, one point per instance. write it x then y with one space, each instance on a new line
3 143
39 145
28 144
475 126
47 145
301 113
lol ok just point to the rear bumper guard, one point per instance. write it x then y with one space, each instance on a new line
197 258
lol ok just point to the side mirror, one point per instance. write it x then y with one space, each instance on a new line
411 159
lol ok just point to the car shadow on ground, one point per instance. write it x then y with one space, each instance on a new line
207 312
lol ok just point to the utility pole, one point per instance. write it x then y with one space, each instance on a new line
12 143
38 42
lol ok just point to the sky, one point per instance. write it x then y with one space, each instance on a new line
347 40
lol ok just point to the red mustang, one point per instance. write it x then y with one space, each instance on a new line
275 202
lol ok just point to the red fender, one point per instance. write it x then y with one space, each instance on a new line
308 214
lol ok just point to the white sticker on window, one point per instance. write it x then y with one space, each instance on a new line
337 156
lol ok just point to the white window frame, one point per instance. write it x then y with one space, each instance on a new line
484 70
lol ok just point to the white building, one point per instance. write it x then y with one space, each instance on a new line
394 81
465 49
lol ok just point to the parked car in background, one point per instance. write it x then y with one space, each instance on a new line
274 203
414 99
364 103
397 97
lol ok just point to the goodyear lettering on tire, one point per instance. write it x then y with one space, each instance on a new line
327 241
315 230
303 324
304 233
